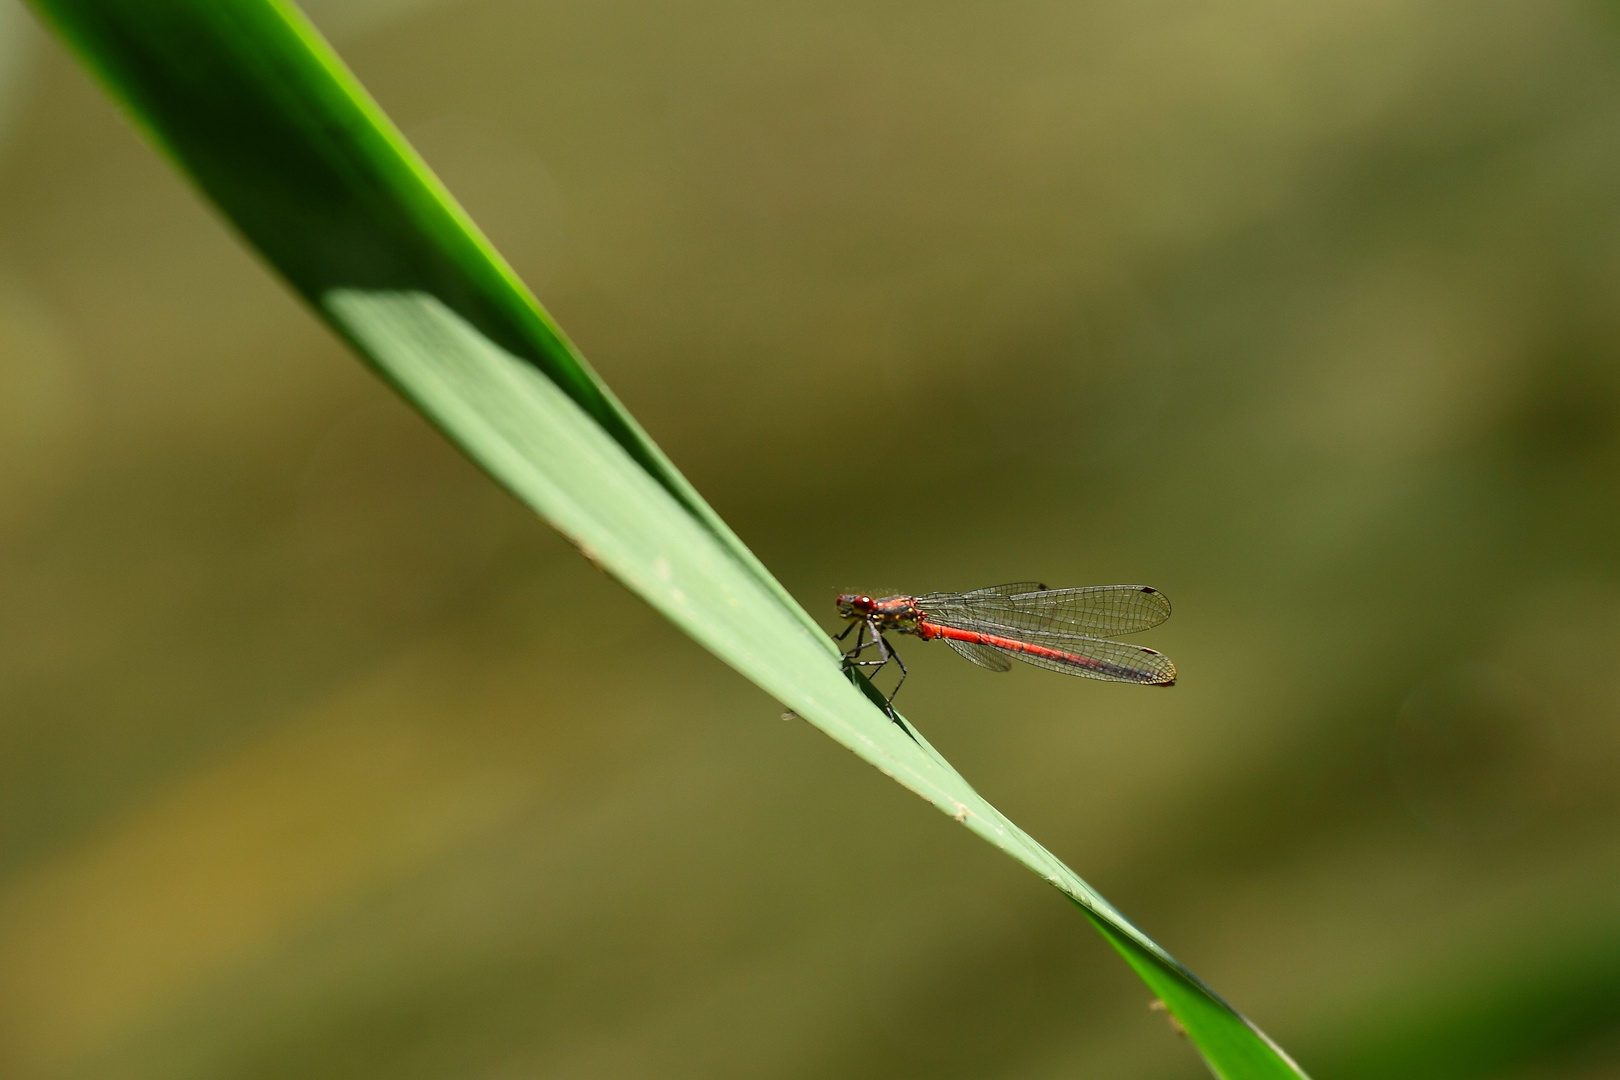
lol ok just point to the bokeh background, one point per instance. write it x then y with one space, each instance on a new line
320 757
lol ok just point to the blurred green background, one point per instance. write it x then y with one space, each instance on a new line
319 757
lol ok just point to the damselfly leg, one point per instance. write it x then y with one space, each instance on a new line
852 658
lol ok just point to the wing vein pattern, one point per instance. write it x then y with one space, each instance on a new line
1057 629
1055 613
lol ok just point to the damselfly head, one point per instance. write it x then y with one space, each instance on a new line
855 605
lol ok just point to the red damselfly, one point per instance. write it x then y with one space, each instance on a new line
1066 630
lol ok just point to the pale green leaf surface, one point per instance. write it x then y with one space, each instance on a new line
250 102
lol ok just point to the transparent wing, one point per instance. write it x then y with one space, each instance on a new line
1111 661
1051 613
998 590
982 655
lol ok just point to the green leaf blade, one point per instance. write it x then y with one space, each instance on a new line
249 101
